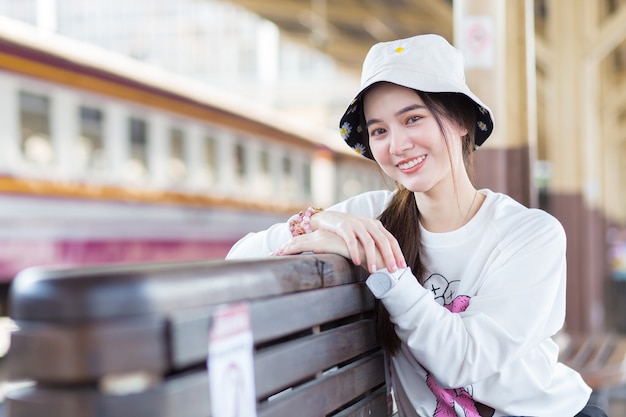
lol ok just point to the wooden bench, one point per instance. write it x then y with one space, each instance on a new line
600 358
133 340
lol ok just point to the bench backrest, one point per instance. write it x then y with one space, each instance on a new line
133 340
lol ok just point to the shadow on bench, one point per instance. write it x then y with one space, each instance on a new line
133 340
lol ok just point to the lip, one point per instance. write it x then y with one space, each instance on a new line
412 168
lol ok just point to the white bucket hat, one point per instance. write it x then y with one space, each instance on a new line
426 63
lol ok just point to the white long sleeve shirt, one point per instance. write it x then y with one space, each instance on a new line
480 327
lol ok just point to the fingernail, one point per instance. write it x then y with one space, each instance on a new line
392 268
373 268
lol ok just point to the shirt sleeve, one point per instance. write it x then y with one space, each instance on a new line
520 303
261 244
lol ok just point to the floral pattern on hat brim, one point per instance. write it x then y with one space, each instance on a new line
351 129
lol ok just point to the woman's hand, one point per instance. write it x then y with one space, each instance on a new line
363 233
363 240
324 241
320 241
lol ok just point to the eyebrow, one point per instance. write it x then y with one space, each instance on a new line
398 113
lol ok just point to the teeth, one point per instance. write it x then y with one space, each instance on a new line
412 163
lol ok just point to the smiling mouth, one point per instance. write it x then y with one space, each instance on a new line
410 164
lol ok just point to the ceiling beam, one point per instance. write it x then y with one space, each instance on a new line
612 32
351 27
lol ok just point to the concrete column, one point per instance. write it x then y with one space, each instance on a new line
574 149
497 40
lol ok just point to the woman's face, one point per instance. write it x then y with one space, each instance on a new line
405 138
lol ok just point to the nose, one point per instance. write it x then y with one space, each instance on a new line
399 142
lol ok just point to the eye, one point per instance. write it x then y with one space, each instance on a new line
377 132
413 119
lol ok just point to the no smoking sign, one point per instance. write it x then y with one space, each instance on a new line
477 42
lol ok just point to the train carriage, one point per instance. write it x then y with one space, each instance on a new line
107 159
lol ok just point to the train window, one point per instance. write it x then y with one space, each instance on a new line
286 166
210 159
137 166
265 177
307 187
265 162
91 143
177 160
288 181
240 162
35 128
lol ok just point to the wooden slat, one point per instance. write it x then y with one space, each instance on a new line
328 393
337 271
183 395
271 318
303 358
187 395
618 355
85 352
599 354
100 293
374 404
599 358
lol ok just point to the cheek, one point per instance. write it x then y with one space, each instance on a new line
378 149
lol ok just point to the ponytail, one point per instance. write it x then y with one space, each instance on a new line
401 218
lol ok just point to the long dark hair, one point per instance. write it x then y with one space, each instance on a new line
402 215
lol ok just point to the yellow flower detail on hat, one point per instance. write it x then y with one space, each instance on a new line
482 126
399 48
345 130
359 148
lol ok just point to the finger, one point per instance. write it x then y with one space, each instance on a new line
294 246
372 252
320 241
380 247
396 251
361 241
352 235
388 246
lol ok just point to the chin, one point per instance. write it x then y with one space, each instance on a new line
414 187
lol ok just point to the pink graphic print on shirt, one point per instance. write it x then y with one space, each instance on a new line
446 398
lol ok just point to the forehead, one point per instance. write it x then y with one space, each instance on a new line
383 94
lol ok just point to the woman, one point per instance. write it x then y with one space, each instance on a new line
471 283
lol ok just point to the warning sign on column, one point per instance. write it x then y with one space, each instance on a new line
477 41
